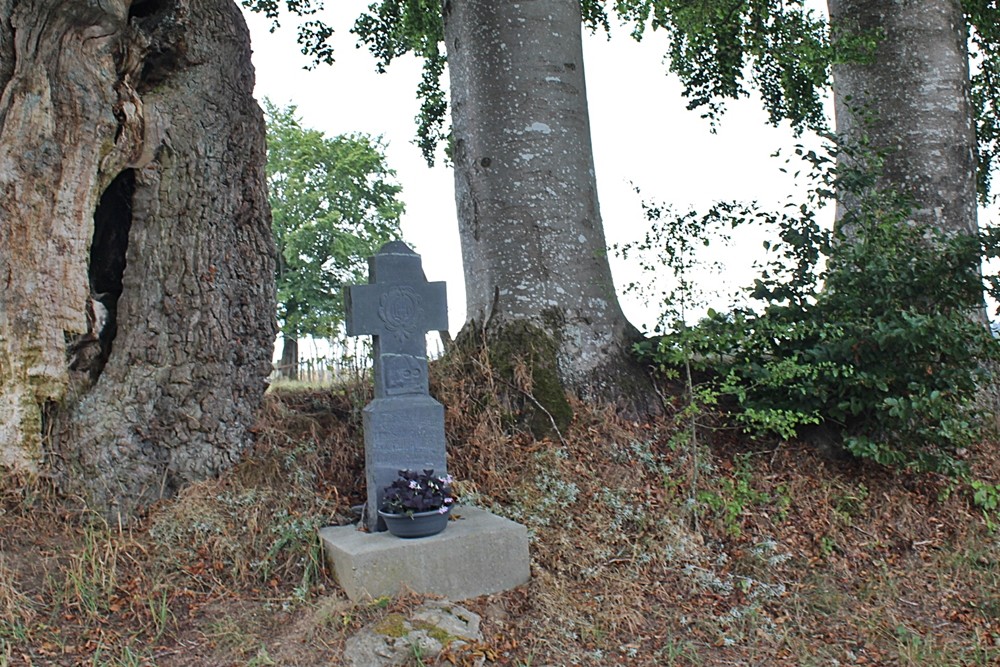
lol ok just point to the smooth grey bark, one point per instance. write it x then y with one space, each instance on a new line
913 101
915 96
529 220
131 165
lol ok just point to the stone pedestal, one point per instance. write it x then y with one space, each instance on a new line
402 432
478 554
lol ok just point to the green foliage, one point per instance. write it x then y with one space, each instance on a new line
313 36
986 497
715 45
734 495
392 28
720 49
984 37
334 203
872 330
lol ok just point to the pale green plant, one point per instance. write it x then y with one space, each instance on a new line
261 659
126 656
91 577
17 610
158 604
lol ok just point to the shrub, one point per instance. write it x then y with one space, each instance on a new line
874 330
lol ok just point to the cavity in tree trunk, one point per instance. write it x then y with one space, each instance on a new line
137 309
530 225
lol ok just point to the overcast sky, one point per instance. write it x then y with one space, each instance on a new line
642 135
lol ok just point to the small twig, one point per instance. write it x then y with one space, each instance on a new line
862 530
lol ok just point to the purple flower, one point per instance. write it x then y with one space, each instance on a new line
414 492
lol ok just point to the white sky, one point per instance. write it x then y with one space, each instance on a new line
642 134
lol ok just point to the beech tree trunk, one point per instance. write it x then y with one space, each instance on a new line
529 221
137 311
915 93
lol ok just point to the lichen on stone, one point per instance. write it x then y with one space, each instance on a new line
393 625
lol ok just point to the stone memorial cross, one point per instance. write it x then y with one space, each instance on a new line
404 426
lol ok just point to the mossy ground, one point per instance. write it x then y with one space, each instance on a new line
645 551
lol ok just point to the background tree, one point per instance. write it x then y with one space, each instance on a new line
721 49
901 83
131 170
537 276
333 204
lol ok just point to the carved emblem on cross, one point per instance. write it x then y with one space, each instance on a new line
399 309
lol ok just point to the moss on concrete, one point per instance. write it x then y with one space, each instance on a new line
435 632
393 625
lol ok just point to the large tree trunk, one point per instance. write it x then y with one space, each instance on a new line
530 225
913 102
915 95
132 186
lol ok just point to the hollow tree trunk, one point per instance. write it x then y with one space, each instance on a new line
915 92
529 221
137 309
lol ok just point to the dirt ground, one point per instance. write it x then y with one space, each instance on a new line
647 549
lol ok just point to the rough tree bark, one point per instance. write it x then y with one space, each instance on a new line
915 93
132 186
529 221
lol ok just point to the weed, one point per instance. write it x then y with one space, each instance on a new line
676 652
850 503
417 654
733 495
261 659
91 578
159 612
125 656
986 497
17 610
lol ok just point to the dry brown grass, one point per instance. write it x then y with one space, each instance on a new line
777 556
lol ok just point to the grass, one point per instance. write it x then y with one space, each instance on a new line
785 558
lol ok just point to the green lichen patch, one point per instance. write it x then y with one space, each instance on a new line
435 632
393 625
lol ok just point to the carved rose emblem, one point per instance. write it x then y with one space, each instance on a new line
399 309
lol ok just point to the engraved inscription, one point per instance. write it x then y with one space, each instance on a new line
403 375
399 309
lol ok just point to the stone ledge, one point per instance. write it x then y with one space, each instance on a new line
478 554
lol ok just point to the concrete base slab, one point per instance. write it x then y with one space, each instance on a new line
478 554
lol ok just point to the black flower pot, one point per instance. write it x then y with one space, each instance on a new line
419 524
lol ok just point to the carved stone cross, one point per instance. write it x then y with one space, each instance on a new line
404 426
397 308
